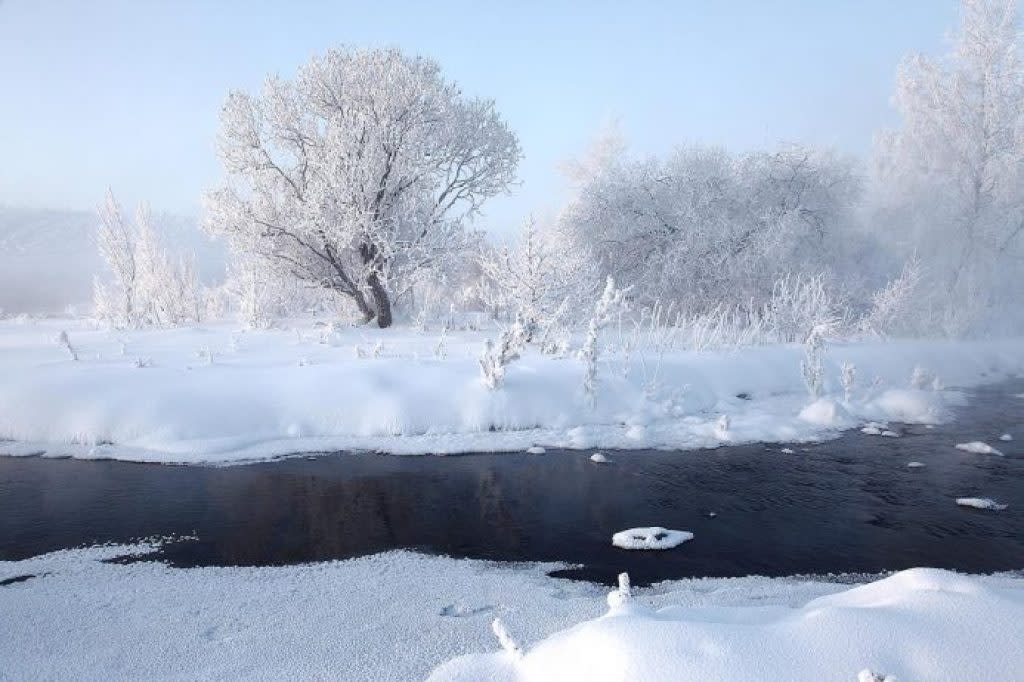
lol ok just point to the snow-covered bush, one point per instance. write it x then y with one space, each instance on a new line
897 307
610 304
797 305
496 357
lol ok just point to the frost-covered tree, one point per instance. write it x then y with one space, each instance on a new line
525 280
704 227
950 179
115 300
148 286
359 173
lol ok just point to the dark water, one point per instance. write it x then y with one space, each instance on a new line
849 505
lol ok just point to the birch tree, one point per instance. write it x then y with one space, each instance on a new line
359 173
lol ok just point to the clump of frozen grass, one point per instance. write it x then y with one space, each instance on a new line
508 644
64 341
848 379
867 675
141 363
623 594
612 302
922 378
811 368
722 427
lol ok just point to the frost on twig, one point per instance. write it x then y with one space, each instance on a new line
497 357
611 302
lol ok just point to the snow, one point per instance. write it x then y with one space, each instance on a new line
535 450
915 465
147 396
397 616
654 537
599 458
1006 438
980 503
978 448
911 626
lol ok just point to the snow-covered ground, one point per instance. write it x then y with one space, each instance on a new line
216 394
397 616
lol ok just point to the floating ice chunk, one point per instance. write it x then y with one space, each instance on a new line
599 458
871 431
980 503
890 434
979 448
915 465
787 451
1006 438
654 537
535 450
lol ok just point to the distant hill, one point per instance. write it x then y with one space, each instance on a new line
48 258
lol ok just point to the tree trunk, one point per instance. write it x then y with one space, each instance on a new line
381 302
364 307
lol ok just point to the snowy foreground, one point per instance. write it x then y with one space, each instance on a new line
218 395
398 616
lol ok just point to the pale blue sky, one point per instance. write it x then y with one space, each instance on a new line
126 94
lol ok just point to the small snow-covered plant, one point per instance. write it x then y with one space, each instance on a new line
506 641
612 301
623 594
922 378
848 378
441 350
722 427
141 363
359 351
378 349
497 357
811 365
797 305
64 341
868 675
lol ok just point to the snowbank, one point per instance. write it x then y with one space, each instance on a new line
214 394
915 625
80 618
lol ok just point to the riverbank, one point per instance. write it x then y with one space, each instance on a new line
218 395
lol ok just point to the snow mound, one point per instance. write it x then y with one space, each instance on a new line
535 450
980 503
912 626
828 413
654 537
599 458
1006 438
978 448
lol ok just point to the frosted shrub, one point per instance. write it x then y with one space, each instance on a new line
497 357
848 378
610 304
797 306
892 308
64 341
811 365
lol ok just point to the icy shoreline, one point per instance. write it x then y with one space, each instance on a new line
214 395
84 618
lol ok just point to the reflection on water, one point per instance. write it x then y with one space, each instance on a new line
850 505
